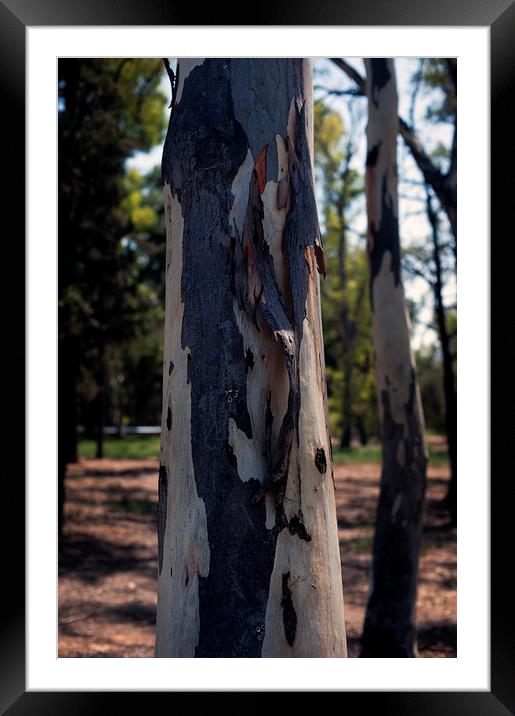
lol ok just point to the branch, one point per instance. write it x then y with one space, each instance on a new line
173 79
432 175
414 94
352 73
351 92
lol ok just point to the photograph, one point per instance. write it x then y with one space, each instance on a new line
243 413
257 357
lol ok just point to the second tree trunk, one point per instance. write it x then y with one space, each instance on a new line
389 629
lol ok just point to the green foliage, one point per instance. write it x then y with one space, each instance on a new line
111 235
359 454
131 447
345 293
147 446
434 76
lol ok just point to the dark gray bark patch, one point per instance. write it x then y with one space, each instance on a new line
380 77
162 491
170 368
289 613
169 418
297 527
302 228
242 417
320 460
264 81
372 155
385 238
281 521
249 359
320 261
231 457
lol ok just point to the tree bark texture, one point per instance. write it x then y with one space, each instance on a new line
249 560
389 628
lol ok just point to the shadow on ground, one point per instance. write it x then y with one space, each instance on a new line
108 559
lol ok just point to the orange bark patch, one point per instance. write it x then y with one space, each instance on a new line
308 259
261 169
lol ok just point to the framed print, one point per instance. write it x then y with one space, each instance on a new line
480 679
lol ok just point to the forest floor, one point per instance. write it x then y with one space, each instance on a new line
108 558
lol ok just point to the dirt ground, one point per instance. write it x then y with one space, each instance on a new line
108 559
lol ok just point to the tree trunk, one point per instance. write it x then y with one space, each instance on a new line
249 561
450 500
389 628
67 443
101 407
360 425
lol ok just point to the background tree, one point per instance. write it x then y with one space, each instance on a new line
345 306
389 628
436 77
248 548
434 257
108 109
434 263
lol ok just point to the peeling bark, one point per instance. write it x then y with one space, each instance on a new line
246 504
389 629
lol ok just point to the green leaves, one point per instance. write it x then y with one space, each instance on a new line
111 228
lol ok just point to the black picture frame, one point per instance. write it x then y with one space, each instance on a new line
499 15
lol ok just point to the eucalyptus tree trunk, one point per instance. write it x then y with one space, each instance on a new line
249 560
389 628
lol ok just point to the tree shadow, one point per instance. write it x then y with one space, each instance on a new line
103 473
438 636
92 558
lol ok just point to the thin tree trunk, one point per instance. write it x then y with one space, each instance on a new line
249 561
360 425
346 438
389 628
101 408
450 500
67 443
